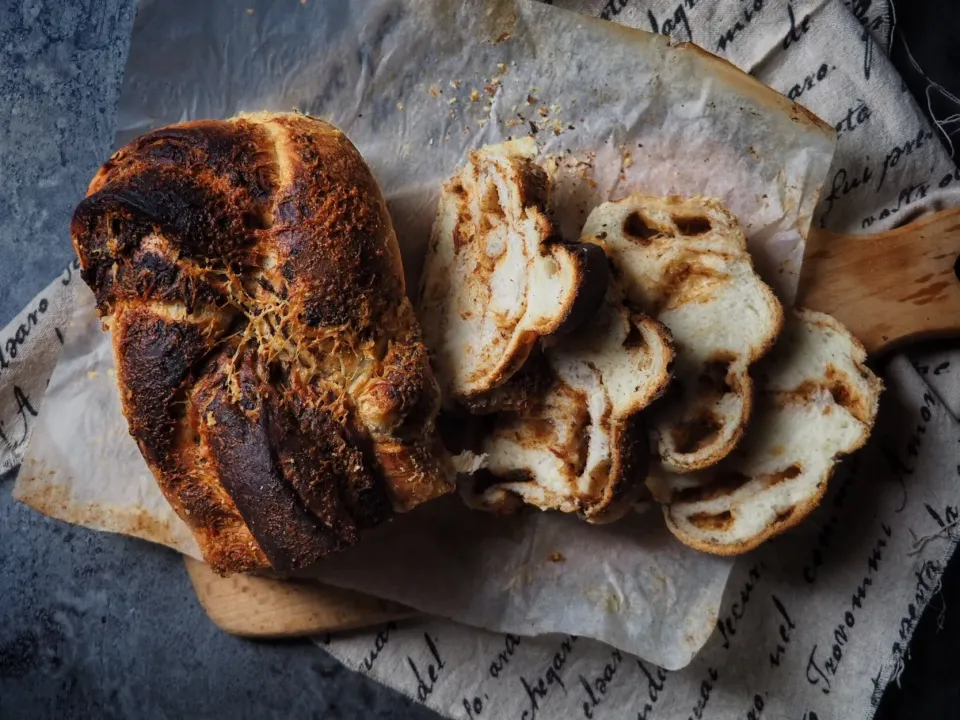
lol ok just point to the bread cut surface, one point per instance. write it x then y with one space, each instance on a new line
496 276
270 367
684 261
816 401
577 442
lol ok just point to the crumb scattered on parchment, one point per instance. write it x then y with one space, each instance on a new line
249 11
111 372
625 162
454 84
399 106
474 95
434 90
556 557
93 374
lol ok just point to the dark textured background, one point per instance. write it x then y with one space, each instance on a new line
95 625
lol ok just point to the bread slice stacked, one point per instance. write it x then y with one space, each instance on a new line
579 443
685 261
500 299
816 401
668 383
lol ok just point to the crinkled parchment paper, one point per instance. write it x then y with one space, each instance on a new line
416 84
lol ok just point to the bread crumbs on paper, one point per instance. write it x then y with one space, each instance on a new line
434 90
93 374
399 106
474 96
556 557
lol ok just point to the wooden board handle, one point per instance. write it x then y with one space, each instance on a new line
252 606
891 288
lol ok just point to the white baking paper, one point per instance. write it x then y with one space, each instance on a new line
415 85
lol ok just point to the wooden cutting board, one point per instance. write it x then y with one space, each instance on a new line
888 289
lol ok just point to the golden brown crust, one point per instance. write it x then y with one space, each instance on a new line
270 366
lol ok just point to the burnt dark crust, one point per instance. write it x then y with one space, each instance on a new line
270 367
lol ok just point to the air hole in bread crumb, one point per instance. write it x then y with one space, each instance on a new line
723 483
634 338
691 226
490 208
783 516
636 227
696 433
712 521
786 474
714 378
839 387
840 394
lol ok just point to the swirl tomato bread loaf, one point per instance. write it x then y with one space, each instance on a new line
270 366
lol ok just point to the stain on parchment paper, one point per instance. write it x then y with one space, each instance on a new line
54 500
499 20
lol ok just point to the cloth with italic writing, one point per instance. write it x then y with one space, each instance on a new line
814 624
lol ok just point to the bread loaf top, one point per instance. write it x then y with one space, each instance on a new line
270 367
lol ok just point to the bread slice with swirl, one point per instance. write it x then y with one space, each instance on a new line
270 366
497 277
684 261
816 401
577 441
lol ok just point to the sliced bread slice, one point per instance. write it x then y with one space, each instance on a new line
684 261
577 443
496 275
816 401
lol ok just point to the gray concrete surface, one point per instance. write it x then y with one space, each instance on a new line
95 625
